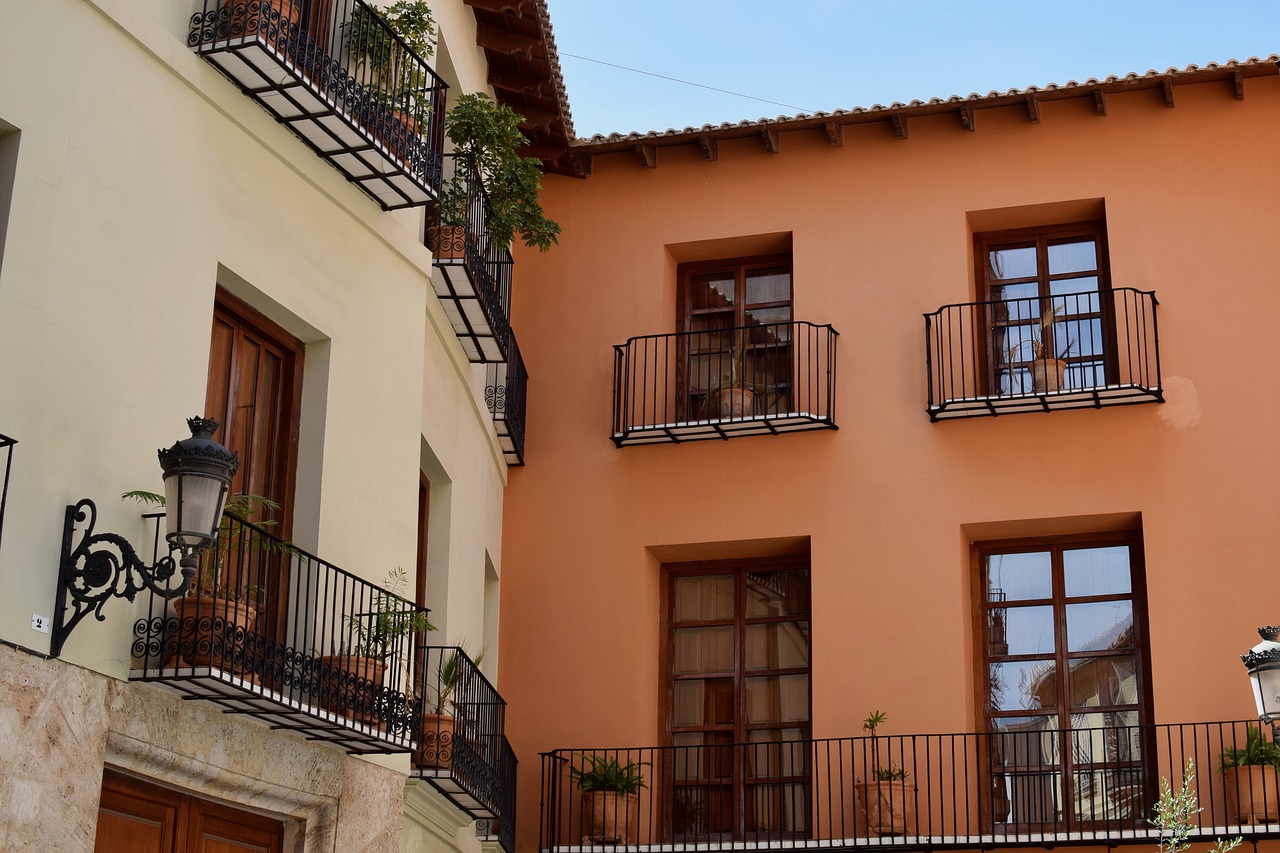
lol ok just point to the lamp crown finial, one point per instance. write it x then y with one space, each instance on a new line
1269 632
202 427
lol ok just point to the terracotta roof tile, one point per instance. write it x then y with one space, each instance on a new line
993 98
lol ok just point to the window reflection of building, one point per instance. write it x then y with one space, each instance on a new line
1063 687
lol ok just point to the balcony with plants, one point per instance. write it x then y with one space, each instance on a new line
351 81
759 379
489 199
462 749
1018 787
271 631
1071 350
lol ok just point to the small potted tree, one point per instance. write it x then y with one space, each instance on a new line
439 719
351 679
884 800
394 85
1249 775
610 798
487 138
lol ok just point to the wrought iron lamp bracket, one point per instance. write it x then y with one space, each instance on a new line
103 566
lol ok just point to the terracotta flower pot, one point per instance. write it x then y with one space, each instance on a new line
349 685
888 807
211 631
609 817
435 741
735 402
249 16
1251 794
447 242
1047 374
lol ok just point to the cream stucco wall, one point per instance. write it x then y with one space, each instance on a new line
144 179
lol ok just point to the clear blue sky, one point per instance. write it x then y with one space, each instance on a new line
831 54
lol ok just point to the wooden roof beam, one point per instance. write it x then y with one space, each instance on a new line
1168 93
1238 79
506 42
772 140
536 117
525 84
519 8
1033 109
581 164
648 155
1099 102
835 133
710 147
899 126
966 117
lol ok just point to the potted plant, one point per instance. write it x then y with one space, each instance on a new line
1249 775
217 614
885 801
487 138
351 679
610 798
393 83
439 726
732 396
1047 366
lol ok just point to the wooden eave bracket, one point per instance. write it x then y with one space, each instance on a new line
1033 109
835 133
581 164
523 83
966 117
537 118
1168 93
648 155
899 125
710 147
1100 102
1238 79
519 8
772 140
506 42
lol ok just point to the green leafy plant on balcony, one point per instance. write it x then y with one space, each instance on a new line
487 134
892 773
1174 811
1256 750
602 773
390 74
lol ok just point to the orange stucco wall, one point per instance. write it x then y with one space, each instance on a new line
881 233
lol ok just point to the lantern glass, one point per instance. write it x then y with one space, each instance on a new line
193 507
1266 690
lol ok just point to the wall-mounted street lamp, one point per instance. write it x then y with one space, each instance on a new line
197 478
1263 664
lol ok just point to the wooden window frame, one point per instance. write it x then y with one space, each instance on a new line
982 614
690 401
740 568
291 351
1041 237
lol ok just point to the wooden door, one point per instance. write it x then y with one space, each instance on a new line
138 817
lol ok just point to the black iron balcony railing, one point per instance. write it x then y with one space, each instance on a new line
475 289
762 379
335 74
503 828
460 742
1067 351
504 392
279 634
1021 787
6 445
